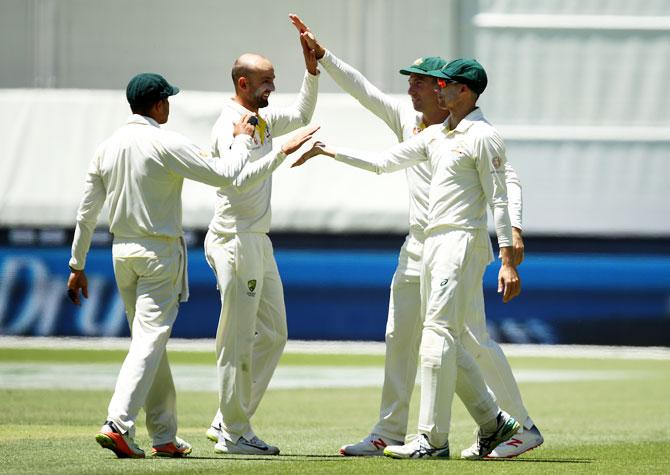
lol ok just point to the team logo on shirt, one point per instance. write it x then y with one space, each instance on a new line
496 161
251 285
419 128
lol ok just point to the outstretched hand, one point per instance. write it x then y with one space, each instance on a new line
299 138
318 148
307 36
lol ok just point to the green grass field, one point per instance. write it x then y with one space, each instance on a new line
617 425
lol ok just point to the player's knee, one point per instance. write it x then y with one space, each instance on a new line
276 339
435 344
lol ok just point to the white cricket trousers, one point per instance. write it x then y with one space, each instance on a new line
252 329
150 275
403 337
453 266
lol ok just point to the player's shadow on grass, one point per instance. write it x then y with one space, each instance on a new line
541 460
266 458
314 458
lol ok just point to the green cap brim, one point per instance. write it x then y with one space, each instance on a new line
413 70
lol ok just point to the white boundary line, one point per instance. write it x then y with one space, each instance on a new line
341 347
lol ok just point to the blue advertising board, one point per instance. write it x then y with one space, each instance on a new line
343 295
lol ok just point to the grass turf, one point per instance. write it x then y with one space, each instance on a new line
600 426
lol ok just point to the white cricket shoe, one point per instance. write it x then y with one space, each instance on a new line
255 446
213 433
372 445
520 443
485 443
419 447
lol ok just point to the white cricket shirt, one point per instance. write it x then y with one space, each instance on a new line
405 123
245 207
467 166
140 170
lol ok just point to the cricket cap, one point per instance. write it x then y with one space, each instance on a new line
146 88
424 65
464 71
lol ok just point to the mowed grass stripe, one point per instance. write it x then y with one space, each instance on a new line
590 427
302 359
176 357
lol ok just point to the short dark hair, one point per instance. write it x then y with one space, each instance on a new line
240 69
143 107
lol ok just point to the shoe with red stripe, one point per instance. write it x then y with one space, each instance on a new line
110 437
372 445
178 448
521 443
506 427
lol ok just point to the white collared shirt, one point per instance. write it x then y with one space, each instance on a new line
405 123
245 206
140 170
467 167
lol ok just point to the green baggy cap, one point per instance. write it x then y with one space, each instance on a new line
465 71
146 88
424 65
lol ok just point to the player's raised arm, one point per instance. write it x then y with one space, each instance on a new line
308 43
353 82
287 119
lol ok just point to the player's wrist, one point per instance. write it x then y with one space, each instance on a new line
507 256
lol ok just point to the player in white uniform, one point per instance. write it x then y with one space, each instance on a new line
466 159
139 170
252 326
403 330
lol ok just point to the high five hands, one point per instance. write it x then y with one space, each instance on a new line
307 37
298 139
309 45
318 148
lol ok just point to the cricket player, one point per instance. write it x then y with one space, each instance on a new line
139 171
466 159
252 325
405 320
